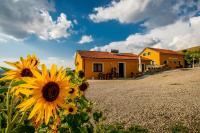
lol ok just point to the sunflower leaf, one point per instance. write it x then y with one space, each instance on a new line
16 83
4 69
3 89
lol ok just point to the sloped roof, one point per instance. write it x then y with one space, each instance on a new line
108 55
165 51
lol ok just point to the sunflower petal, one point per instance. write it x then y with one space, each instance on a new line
26 92
53 71
45 72
28 79
12 64
27 86
26 104
47 114
35 109
37 74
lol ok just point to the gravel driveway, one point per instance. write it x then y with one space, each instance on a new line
155 102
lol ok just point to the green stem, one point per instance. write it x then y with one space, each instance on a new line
22 118
9 108
15 118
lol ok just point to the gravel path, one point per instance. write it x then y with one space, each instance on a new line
155 102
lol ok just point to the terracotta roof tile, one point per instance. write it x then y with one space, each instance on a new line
166 51
107 55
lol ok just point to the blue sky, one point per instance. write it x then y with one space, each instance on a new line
54 30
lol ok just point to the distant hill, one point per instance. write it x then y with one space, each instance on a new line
197 48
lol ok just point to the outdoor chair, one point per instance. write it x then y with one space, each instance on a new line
100 76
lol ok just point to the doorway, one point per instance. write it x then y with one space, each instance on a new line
143 67
121 70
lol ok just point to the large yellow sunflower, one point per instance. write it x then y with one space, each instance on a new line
48 91
23 67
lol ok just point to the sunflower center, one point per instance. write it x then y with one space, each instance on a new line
26 73
71 109
50 91
71 91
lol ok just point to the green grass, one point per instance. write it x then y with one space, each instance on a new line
119 128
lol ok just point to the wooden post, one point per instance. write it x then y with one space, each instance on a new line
199 61
193 62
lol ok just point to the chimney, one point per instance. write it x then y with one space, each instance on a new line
114 51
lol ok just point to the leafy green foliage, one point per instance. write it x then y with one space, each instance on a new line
190 55
137 129
2 83
179 128
97 116
24 129
3 89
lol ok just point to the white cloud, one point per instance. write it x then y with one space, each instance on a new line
50 29
21 18
155 12
47 61
75 21
59 62
86 39
179 35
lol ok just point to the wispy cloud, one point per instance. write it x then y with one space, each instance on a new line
85 39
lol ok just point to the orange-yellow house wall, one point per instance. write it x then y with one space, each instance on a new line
170 58
154 56
86 65
108 64
79 66
160 58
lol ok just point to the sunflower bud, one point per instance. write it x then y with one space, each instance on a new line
81 74
83 86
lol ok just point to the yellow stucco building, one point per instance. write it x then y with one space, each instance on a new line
166 57
94 62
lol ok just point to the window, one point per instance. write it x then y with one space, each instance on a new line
174 61
165 62
144 54
97 67
149 53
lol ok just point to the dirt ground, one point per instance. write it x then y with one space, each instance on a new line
155 102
